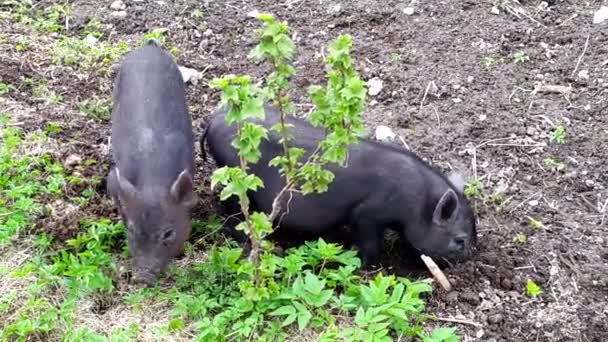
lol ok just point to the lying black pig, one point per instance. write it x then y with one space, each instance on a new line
382 187
151 181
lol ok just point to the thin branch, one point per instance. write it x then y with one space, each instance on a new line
580 58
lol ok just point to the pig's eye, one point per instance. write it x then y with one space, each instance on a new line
168 235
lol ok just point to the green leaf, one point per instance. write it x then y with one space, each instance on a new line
442 335
284 310
304 317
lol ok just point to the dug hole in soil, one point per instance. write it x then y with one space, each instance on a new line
455 92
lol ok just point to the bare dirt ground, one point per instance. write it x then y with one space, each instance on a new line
452 88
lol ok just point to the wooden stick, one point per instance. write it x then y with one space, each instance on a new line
459 321
549 88
437 273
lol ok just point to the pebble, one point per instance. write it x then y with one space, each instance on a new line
533 203
208 32
483 117
495 10
452 297
470 79
118 5
408 10
531 130
457 100
72 160
601 15
119 14
589 182
189 74
336 9
583 74
495 319
384 133
375 86
471 298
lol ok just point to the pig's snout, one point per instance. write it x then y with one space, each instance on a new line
143 278
461 245
146 274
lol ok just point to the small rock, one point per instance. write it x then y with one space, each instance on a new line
208 32
544 45
457 100
253 13
601 15
470 79
408 10
495 319
589 183
72 160
119 14
506 284
480 333
583 74
531 131
452 297
495 10
384 133
336 9
373 103
161 3
483 117
471 298
375 86
189 74
533 203
118 5
587 107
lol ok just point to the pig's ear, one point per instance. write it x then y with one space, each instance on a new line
457 180
126 191
446 209
182 190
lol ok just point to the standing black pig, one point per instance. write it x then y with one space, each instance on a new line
381 187
151 181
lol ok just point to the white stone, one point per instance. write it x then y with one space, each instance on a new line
470 79
384 133
72 160
208 32
601 15
495 10
457 100
408 11
189 74
253 14
533 203
375 86
583 74
118 5
119 14
483 117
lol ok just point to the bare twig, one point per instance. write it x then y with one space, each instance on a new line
580 58
436 272
426 92
458 321
551 88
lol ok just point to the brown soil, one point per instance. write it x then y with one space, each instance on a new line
454 93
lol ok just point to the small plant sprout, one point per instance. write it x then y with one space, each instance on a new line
553 164
473 188
532 289
520 238
6 88
96 108
498 198
558 135
395 57
490 60
520 57
536 224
